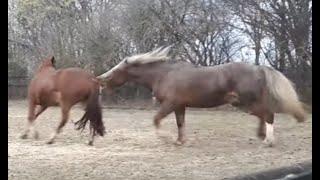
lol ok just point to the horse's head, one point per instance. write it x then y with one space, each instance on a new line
120 73
49 62
115 77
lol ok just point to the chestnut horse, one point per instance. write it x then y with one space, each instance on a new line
260 90
64 88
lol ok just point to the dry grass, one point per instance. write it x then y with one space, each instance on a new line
220 144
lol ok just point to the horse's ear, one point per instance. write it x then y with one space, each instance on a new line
53 61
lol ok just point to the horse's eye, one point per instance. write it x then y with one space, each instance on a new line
108 78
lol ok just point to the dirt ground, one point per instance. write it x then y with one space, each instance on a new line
220 144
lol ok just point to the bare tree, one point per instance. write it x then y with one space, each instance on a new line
96 35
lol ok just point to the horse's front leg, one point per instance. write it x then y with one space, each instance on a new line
165 109
31 118
180 118
269 139
40 111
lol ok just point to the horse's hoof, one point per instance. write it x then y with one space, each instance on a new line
301 120
90 143
24 136
50 142
268 142
179 142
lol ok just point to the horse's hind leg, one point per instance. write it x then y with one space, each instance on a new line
65 115
269 117
180 112
265 130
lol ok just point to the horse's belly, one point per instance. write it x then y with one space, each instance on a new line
204 101
205 104
50 98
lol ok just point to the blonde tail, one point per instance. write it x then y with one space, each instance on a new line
282 97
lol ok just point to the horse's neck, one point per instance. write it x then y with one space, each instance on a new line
46 70
147 75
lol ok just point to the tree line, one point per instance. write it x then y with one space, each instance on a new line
96 35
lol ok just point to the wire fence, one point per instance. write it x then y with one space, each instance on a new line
18 87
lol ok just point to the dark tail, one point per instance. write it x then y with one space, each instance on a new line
93 114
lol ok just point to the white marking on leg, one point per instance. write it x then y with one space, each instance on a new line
181 136
154 100
158 131
53 137
269 134
31 127
32 130
100 94
24 135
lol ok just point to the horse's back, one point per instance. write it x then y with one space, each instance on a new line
74 76
245 77
75 84
207 86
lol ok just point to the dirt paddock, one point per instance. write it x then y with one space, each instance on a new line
220 144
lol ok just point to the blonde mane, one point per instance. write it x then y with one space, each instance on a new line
159 54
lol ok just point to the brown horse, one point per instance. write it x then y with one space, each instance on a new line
260 90
64 88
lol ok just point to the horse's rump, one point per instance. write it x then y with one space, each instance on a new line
76 86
